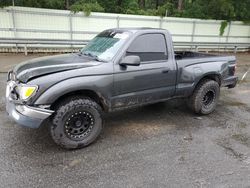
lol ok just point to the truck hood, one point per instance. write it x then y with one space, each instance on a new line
51 64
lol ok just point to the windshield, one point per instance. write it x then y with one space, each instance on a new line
105 45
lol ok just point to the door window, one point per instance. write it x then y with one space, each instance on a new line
149 47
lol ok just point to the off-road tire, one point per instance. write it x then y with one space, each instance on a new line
204 99
64 128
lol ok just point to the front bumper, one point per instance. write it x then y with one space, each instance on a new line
25 115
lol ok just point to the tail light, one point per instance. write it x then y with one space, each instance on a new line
234 70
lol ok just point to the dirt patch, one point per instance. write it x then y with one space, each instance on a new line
225 99
230 150
2 104
233 103
242 138
242 125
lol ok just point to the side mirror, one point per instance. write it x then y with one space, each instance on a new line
131 60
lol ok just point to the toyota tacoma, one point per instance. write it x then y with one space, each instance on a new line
119 68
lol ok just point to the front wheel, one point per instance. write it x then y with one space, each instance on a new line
205 97
76 124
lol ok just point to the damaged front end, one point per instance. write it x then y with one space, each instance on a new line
16 96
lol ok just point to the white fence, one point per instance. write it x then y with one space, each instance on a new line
47 24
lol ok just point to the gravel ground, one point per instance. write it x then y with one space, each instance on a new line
161 145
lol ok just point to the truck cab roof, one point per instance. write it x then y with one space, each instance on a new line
136 29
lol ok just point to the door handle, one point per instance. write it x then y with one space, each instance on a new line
166 70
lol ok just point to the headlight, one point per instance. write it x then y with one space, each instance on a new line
26 91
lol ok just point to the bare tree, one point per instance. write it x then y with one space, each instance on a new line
180 3
141 3
67 4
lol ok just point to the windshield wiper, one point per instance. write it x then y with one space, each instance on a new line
89 54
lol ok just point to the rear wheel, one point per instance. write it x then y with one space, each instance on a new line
205 97
77 123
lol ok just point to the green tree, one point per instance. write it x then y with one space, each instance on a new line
4 3
87 6
205 9
242 10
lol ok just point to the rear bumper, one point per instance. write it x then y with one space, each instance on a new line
25 115
230 82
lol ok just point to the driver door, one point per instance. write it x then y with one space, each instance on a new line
152 80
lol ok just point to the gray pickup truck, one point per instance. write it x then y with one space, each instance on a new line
119 68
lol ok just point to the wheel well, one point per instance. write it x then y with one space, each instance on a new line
214 77
80 94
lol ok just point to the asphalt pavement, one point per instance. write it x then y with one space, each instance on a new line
160 145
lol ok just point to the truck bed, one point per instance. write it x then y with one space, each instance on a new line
187 58
188 55
199 64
